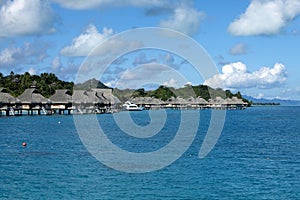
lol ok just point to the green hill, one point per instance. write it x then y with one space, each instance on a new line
47 83
89 84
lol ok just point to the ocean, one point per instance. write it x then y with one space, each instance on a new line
256 157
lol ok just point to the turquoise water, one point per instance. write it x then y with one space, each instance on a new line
256 157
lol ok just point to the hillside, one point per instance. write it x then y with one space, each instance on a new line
89 84
47 83
164 93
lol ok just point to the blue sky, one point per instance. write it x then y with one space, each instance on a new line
254 43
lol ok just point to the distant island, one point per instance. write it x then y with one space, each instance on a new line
266 104
48 83
274 101
46 94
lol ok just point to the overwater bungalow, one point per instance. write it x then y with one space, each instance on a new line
107 97
173 103
100 101
148 102
32 101
196 103
95 101
227 104
177 103
61 101
140 101
84 102
7 102
235 103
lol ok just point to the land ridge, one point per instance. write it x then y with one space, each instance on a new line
48 83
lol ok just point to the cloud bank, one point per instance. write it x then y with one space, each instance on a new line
26 17
236 75
265 17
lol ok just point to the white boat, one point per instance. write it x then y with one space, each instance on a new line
131 106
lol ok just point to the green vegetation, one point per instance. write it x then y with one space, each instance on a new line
47 83
164 93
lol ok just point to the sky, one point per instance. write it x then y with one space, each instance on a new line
253 43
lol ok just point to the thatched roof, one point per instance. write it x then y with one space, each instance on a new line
147 101
195 101
234 101
82 96
182 101
217 101
101 96
227 101
32 95
61 97
5 97
238 101
200 100
106 95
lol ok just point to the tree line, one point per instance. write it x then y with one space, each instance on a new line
47 83
164 93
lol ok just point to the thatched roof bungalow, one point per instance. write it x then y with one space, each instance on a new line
6 98
82 97
106 96
200 101
97 100
61 99
32 96
238 101
196 102
228 103
148 102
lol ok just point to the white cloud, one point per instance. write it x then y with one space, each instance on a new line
86 42
111 83
26 17
27 54
239 49
184 19
236 75
91 42
84 4
171 83
265 17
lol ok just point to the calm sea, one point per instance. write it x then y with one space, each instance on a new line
256 157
